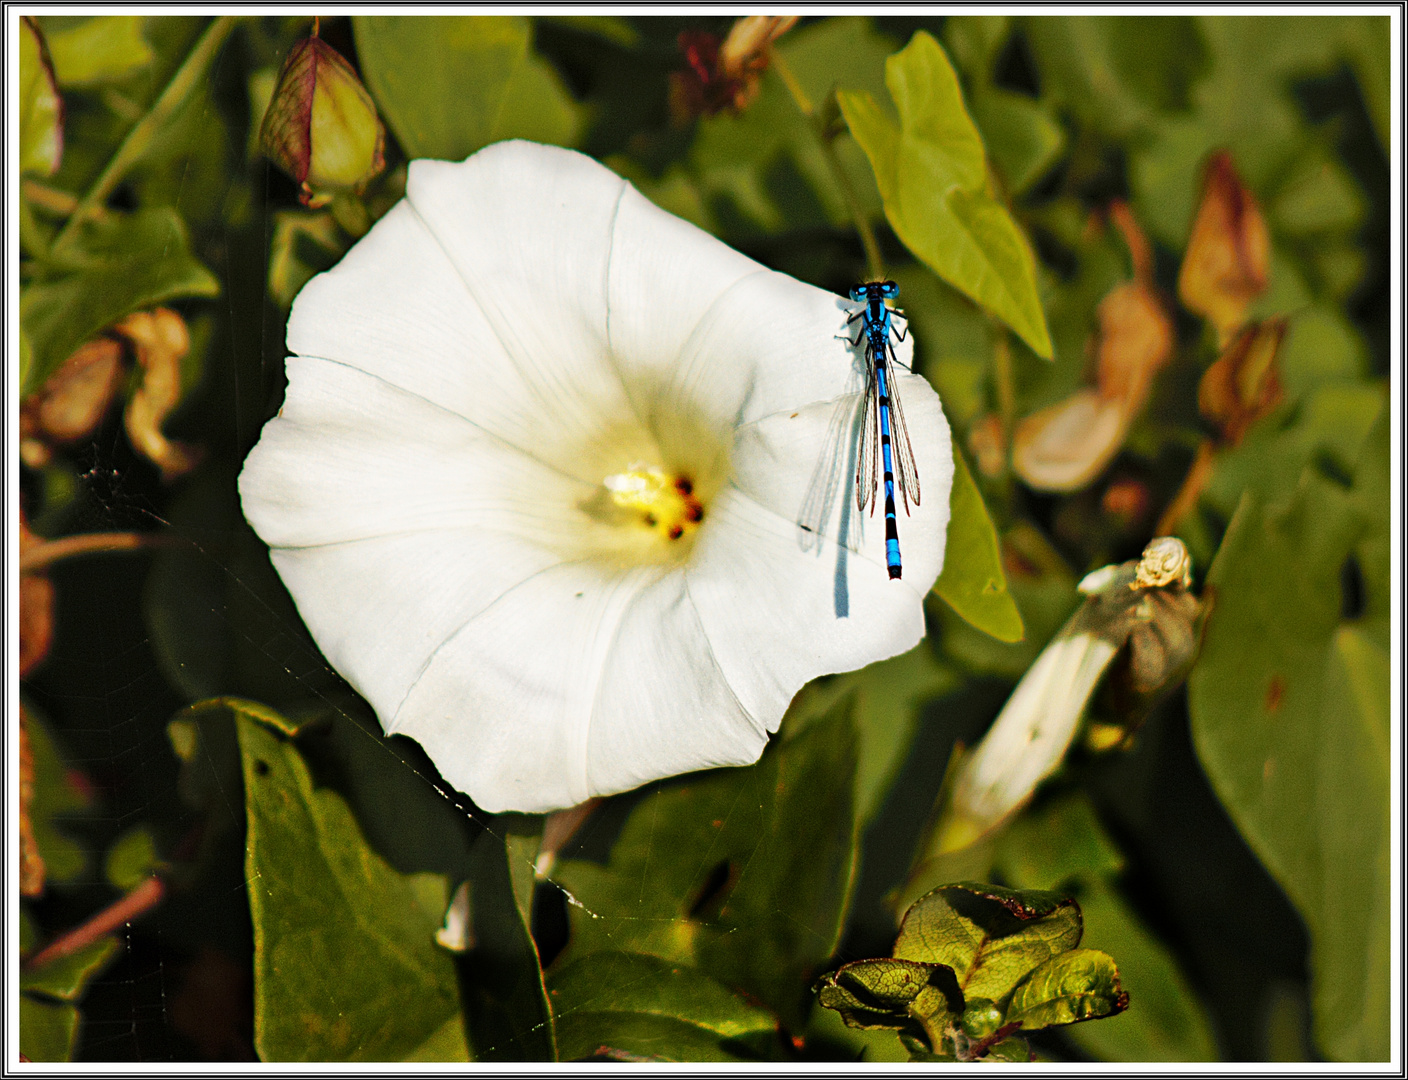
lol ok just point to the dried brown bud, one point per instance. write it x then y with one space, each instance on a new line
1229 253
726 76
322 127
1244 384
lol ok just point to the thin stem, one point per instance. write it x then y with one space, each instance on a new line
875 265
1189 491
1006 390
138 141
51 551
136 903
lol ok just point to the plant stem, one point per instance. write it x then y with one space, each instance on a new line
1184 502
51 551
139 140
137 902
1006 390
875 265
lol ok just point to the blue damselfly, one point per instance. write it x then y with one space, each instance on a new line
883 427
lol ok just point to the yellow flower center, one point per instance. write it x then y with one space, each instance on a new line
665 503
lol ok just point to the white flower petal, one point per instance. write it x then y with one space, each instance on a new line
380 608
504 705
664 706
351 457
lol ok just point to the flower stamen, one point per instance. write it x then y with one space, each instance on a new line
665 503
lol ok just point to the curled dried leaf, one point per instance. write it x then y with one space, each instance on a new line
1229 253
1244 384
72 402
160 341
1136 340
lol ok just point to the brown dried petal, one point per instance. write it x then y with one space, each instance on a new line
1229 252
1067 445
160 340
1245 383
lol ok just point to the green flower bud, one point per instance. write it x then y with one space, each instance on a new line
321 126
980 1018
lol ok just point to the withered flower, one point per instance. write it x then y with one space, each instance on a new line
724 76
1229 252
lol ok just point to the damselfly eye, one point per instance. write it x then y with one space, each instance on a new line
857 292
889 290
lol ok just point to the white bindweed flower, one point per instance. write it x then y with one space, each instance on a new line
536 483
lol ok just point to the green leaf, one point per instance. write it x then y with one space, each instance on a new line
889 993
744 872
451 85
972 581
1022 138
56 793
889 697
1045 592
607 27
345 962
101 49
41 110
122 263
991 937
1082 984
506 1007
932 176
1168 1021
66 978
48 1030
1056 844
131 859
1290 716
648 1007
829 1038
1062 844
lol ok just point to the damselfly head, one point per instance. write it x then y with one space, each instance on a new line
867 290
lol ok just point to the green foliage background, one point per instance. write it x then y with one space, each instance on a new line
1234 862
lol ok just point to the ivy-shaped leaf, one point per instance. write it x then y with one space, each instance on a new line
346 967
450 85
932 174
1291 719
745 873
